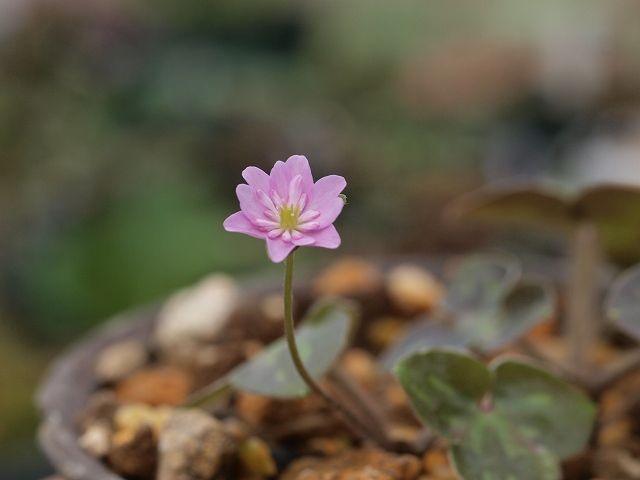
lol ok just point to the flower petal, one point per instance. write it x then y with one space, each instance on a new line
299 165
327 188
283 172
256 178
301 240
326 199
239 223
329 212
327 238
278 249
249 202
279 180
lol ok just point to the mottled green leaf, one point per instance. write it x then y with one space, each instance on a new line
623 302
444 387
322 337
480 282
510 423
426 334
526 305
492 449
546 410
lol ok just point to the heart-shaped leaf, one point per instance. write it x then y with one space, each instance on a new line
527 304
445 387
492 450
547 410
512 422
480 281
322 337
425 334
623 302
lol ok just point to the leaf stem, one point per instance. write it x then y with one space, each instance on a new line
352 420
582 322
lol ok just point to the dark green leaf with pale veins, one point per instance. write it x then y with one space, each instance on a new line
493 450
547 410
444 387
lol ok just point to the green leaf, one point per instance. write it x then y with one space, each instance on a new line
546 410
623 302
526 305
426 334
530 205
493 450
511 423
444 387
322 337
480 282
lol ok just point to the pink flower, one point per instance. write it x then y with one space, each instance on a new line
287 209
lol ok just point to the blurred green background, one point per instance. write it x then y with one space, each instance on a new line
125 124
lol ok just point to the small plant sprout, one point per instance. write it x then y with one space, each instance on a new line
512 420
599 221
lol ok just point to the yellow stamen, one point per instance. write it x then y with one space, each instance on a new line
289 217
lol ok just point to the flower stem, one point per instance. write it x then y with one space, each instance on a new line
353 421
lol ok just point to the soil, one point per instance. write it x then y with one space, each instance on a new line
133 424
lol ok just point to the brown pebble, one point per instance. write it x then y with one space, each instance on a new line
155 386
328 446
413 289
350 276
615 433
133 453
136 415
401 432
396 397
236 430
436 462
361 366
100 409
196 315
256 459
96 439
120 359
366 464
384 331
192 446
253 408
